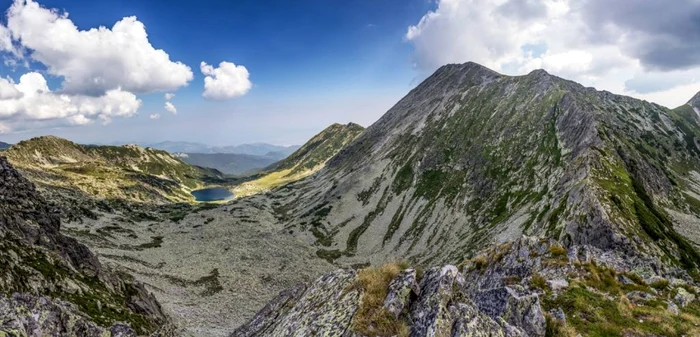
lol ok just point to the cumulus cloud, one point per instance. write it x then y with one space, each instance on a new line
169 96
170 108
30 101
91 61
611 45
154 116
225 82
101 69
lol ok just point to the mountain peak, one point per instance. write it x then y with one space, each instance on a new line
539 73
695 101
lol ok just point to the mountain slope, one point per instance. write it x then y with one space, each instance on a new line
305 161
229 163
127 172
39 261
472 157
4 146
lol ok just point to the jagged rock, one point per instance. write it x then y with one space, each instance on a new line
673 308
683 297
400 290
638 297
559 315
469 322
624 280
122 330
558 284
31 316
325 308
430 313
521 311
276 308
440 307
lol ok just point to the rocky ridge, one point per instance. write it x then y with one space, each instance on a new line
530 287
471 157
305 161
54 286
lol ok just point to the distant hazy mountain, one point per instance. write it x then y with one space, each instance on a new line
4 146
230 163
256 149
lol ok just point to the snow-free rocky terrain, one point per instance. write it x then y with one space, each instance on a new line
483 204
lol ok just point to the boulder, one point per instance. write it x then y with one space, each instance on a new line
523 311
401 288
683 297
640 297
558 284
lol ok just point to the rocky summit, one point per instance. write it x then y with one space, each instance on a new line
479 205
472 158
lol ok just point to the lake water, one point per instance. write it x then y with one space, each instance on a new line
212 194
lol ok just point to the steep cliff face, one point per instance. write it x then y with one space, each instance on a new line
125 172
471 157
54 285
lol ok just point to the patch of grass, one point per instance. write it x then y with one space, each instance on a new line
403 179
598 315
371 319
555 328
538 281
660 285
329 255
557 251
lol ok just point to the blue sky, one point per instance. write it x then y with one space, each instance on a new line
311 64
281 71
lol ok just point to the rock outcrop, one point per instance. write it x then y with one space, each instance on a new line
439 306
53 285
528 288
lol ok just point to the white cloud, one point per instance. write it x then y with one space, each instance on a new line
92 61
517 36
36 103
170 107
225 82
154 116
169 96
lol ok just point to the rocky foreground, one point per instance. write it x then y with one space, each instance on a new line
527 288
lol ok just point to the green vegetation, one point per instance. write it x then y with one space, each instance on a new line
123 172
103 304
371 318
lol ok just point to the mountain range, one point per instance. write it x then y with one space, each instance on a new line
4 146
253 149
479 205
231 163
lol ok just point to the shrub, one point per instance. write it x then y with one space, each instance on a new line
557 251
538 281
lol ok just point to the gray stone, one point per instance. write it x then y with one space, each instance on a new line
558 284
558 314
400 290
640 297
521 311
673 308
683 297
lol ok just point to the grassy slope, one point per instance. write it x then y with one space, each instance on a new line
308 159
125 172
